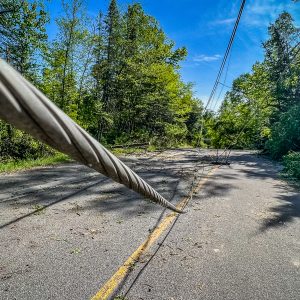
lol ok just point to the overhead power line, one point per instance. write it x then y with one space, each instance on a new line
222 65
226 53
223 84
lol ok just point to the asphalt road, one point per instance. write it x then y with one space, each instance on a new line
65 231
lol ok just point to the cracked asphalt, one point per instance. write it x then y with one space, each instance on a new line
65 230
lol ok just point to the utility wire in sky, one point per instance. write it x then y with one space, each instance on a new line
226 54
222 65
255 111
222 85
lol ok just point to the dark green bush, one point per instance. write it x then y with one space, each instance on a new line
285 134
21 146
291 164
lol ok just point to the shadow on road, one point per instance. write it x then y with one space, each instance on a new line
100 193
165 175
38 210
287 211
258 167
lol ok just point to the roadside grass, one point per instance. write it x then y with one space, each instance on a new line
19 165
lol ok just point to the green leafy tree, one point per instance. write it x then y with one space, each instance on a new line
280 52
262 108
23 36
285 135
151 99
65 63
22 41
113 44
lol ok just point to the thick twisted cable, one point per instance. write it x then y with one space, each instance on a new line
25 107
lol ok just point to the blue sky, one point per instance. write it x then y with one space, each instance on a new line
204 27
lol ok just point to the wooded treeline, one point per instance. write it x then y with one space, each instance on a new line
262 110
116 74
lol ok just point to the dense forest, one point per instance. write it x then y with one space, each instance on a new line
118 76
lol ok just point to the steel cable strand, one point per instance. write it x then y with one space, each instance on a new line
25 107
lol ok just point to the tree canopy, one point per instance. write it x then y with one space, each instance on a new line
116 75
262 108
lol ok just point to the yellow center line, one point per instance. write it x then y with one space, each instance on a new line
109 287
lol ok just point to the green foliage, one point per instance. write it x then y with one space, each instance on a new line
282 63
291 163
285 133
193 122
243 118
262 110
15 144
116 75
136 74
23 40
63 72
25 164
23 35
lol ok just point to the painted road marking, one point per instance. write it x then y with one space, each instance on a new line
109 287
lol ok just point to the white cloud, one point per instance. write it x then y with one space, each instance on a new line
206 58
257 13
262 12
224 21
